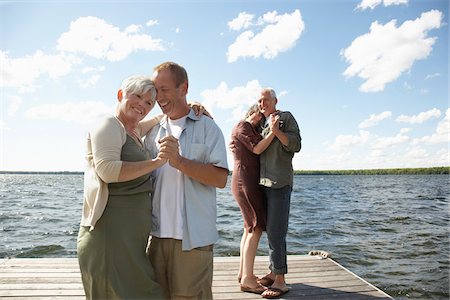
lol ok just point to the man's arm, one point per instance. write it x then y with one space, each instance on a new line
207 174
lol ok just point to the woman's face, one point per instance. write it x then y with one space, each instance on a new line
256 117
136 107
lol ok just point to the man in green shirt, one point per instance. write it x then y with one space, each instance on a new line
276 178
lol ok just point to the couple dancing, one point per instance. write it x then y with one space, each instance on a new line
263 145
164 184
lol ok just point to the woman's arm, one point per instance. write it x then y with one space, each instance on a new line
264 143
107 141
134 169
146 125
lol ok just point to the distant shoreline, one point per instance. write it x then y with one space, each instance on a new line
397 171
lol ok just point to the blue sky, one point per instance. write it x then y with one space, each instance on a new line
367 81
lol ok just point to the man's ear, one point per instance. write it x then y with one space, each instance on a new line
184 88
119 95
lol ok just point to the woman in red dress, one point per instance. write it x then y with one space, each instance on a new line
246 145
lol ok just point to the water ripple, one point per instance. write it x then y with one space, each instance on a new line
391 230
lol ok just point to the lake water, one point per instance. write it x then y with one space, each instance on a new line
392 231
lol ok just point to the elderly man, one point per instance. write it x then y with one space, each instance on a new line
276 177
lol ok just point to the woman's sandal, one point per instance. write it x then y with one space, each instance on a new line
256 290
266 281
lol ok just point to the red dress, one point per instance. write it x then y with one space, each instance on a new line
245 179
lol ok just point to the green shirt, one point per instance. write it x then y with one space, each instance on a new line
276 161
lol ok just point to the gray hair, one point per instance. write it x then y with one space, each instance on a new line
271 91
251 110
139 85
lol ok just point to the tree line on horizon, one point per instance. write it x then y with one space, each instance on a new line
396 171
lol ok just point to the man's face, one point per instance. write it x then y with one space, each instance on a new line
266 103
169 96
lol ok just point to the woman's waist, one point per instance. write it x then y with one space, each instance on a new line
138 200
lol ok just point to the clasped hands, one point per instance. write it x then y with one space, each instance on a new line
169 150
275 123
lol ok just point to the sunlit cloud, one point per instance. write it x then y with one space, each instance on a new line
237 98
93 78
79 112
91 81
382 55
407 86
345 141
430 76
374 119
133 28
23 72
387 142
419 118
365 4
441 135
242 21
93 69
279 33
97 38
13 103
151 23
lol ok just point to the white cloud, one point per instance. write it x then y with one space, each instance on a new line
344 141
442 134
14 103
416 153
386 142
93 78
151 23
383 54
133 28
3 127
282 93
430 76
442 158
365 4
177 30
79 112
243 20
23 72
420 118
238 98
92 69
374 119
279 34
91 81
394 2
95 37
407 86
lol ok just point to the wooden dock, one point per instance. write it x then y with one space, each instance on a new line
309 277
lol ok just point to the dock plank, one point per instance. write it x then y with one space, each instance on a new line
309 277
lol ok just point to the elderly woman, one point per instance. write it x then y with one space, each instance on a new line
116 216
246 145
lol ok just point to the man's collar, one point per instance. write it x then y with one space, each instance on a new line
191 115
